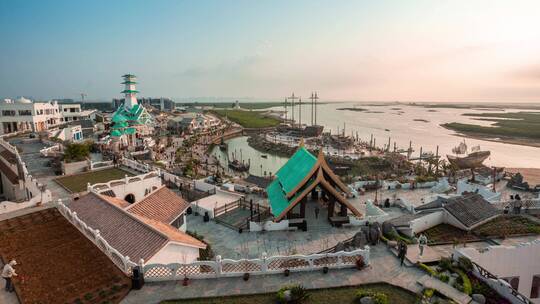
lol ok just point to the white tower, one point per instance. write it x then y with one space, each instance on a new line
129 91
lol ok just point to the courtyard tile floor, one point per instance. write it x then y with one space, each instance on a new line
233 245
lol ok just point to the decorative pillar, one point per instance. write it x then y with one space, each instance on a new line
331 206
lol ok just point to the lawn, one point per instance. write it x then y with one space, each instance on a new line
58 264
445 234
341 295
78 183
248 119
505 226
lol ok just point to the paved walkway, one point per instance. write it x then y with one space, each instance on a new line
445 289
384 268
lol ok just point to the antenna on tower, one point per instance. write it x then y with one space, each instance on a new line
285 109
83 95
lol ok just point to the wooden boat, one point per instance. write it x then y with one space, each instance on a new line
468 160
239 166
264 156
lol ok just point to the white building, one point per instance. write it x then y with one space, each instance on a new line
510 266
25 115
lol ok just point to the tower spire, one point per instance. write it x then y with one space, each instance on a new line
129 91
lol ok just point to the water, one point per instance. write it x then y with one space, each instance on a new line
271 164
402 129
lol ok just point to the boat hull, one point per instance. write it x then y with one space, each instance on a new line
472 160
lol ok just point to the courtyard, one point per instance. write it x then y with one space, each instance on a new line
320 235
79 182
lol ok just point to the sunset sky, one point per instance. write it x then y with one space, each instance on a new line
429 50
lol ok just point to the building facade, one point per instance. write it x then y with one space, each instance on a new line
20 115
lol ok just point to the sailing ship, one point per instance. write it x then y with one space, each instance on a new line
239 165
464 160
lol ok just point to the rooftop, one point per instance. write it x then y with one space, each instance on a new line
162 205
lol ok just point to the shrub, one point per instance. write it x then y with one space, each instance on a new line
428 293
465 264
298 294
377 297
467 287
446 263
443 277
76 152
88 296
427 269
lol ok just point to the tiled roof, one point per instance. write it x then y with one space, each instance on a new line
123 232
115 201
9 173
470 209
172 233
162 205
404 220
8 156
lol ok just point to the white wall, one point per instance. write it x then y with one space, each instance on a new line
269 226
508 261
175 253
427 221
137 186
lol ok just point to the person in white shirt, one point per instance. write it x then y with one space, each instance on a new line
422 241
7 273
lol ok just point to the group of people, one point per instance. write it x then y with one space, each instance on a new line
402 247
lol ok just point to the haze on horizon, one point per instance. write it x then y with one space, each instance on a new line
460 50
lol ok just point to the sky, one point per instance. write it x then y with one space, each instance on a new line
432 50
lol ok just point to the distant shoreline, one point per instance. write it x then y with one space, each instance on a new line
500 139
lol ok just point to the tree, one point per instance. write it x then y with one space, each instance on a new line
75 152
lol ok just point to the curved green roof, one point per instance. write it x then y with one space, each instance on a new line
119 118
129 91
116 133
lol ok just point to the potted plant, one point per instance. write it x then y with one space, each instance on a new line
287 272
360 264
185 282
325 269
294 294
246 276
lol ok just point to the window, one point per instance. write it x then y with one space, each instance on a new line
535 288
25 112
8 112
178 222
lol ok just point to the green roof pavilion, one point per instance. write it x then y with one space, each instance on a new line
299 177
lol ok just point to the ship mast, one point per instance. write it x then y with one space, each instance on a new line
293 98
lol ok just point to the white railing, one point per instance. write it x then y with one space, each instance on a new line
135 165
50 150
122 262
101 165
123 181
264 265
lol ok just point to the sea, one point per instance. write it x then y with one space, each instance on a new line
402 124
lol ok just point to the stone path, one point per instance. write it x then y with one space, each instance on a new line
384 268
445 289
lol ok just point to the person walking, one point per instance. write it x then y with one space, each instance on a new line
422 241
402 252
7 273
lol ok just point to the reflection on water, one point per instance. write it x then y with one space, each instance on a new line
404 123
259 165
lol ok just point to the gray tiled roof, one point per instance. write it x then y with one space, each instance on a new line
123 232
470 209
404 220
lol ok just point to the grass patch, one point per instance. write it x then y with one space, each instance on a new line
343 295
248 119
445 234
520 124
505 226
77 183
